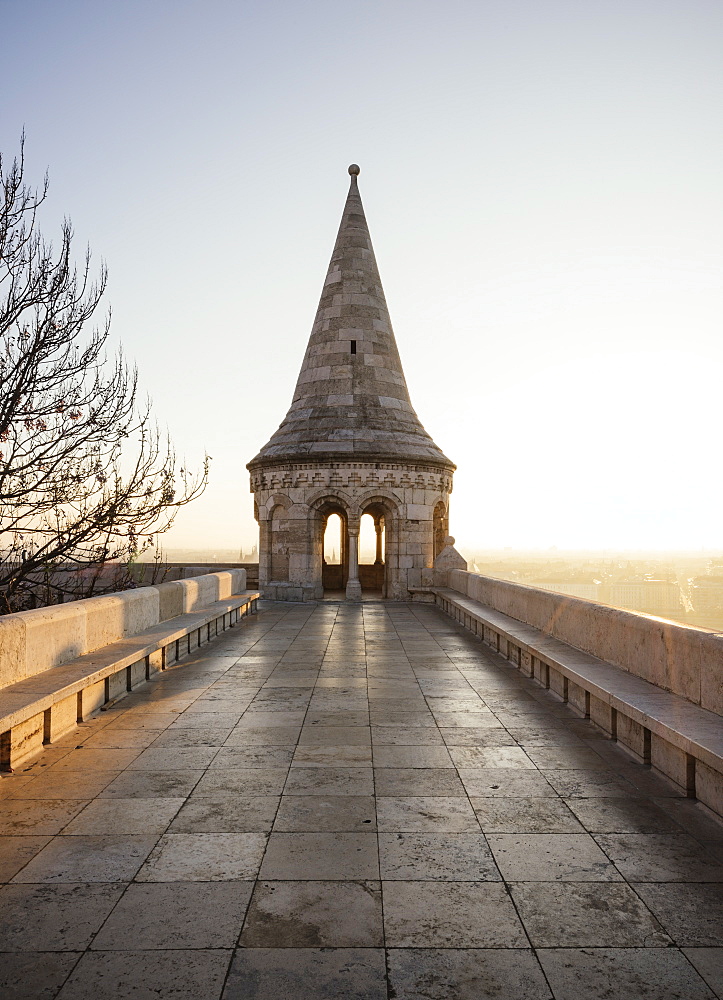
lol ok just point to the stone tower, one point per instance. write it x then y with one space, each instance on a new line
351 444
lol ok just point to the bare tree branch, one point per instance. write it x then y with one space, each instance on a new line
86 478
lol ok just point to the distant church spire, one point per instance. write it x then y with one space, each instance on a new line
351 399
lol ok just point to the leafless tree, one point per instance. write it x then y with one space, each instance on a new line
86 479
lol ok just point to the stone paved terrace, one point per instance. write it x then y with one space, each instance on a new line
352 801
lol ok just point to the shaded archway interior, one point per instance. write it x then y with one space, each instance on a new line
335 549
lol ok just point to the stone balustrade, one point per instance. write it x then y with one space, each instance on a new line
34 641
652 685
685 660
60 664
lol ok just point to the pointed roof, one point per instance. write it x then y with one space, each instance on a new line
351 399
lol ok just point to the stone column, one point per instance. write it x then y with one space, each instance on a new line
344 553
353 587
378 528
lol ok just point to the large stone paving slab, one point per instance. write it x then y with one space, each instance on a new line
306 973
328 781
147 975
35 974
314 914
466 974
588 974
450 915
37 918
176 915
87 859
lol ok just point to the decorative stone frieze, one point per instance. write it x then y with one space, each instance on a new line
351 477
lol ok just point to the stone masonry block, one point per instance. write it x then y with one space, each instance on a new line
200 591
170 600
115 616
155 661
116 685
671 760
93 697
63 718
26 739
225 584
12 649
576 698
632 735
711 688
138 673
458 580
709 787
558 683
601 714
53 636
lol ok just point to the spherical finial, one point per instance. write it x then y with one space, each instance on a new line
354 170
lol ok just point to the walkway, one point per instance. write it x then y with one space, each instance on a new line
223 832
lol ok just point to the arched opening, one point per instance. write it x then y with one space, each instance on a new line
334 570
367 540
332 540
372 550
441 527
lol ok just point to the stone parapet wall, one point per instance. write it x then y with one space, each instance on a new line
680 658
151 574
34 641
196 592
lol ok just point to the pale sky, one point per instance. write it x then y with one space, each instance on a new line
542 181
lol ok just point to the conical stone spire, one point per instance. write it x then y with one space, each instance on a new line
351 400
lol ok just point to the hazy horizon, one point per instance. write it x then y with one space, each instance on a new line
610 553
541 180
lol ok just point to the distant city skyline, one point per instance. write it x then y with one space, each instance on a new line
542 185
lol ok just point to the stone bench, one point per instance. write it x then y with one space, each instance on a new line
41 708
681 740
